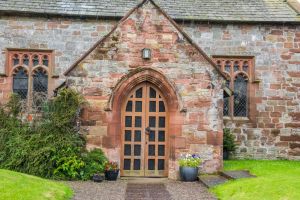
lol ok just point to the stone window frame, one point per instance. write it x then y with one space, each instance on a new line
249 75
30 68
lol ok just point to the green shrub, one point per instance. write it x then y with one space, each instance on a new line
228 141
50 146
94 163
69 167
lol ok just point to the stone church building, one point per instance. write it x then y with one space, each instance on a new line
158 75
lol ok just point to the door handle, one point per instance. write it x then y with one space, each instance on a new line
147 130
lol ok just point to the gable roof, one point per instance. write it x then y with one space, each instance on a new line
206 57
202 10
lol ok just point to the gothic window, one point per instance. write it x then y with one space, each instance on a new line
35 60
237 69
25 59
16 60
240 96
30 71
45 60
40 81
20 82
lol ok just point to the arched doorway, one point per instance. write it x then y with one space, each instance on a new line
144 132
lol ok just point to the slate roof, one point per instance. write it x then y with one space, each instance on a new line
203 10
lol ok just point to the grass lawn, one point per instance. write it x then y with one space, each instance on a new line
17 186
276 180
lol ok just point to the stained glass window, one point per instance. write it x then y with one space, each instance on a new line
26 59
240 96
31 77
35 60
237 69
40 81
45 60
16 60
20 83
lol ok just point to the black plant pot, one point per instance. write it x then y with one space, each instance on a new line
226 154
111 175
97 178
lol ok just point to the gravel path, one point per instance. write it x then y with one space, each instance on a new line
107 190
132 190
188 191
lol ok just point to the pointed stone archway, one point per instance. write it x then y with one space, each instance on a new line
172 100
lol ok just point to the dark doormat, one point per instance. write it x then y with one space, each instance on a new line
149 191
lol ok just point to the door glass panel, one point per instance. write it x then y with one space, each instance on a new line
162 122
152 121
137 136
151 164
152 136
161 164
127 149
128 121
151 150
162 106
138 121
161 150
137 164
127 136
137 150
152 106
126 164
129 106
161 136
139 93
138 106
152 93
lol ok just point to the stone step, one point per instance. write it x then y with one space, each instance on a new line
212 180
236 174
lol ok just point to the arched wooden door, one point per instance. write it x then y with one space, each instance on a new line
144 133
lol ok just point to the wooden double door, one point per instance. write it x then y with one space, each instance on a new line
144 133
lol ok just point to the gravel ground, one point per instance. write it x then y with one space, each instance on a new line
106 190
188 191
116 190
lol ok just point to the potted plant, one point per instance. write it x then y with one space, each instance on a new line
229 145
189 165
97 177
111 171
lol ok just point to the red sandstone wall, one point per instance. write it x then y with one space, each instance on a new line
175 67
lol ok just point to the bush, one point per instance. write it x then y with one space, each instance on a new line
50 146
94 163
228 141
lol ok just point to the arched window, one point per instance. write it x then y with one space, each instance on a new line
35 60
45 60
16 60
240 96
30 71
20 83
26 59
40 81
238 70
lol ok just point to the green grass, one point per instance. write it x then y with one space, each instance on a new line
276 180
17 186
